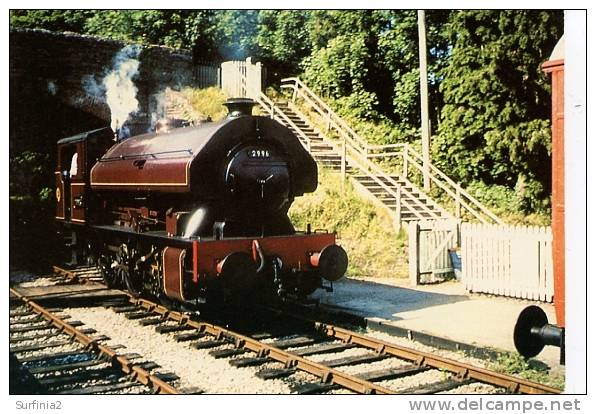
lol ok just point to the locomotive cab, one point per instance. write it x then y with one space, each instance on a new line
76 155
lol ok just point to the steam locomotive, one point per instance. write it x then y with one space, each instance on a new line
195 214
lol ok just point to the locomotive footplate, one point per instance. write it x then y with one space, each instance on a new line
292 264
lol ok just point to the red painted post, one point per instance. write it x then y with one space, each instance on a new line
557 70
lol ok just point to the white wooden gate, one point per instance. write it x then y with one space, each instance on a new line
242 79
429 244
511 261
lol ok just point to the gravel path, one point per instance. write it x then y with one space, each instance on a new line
196 368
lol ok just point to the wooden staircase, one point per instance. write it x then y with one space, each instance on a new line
322 151
341 149
416 199
413 203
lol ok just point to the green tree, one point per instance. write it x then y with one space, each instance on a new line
55 20
235 33
494 121
283 41
159 27
399 48
188 29
366 27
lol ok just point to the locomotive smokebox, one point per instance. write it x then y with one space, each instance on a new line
532 332
239 107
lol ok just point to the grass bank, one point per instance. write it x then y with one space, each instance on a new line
366 232
208 102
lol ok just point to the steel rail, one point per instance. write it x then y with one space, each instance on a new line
327 374
69 274
462 370
137 373
74 275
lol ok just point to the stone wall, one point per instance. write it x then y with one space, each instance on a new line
53 66
48 102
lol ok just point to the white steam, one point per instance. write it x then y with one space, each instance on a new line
92 87
159 104
52 87
120 91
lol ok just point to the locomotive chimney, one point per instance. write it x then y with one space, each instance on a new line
239 107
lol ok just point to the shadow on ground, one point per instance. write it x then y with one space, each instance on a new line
374 299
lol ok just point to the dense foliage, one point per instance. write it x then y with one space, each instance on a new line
496 101
490 101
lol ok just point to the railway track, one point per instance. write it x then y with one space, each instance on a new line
82 274
326 358
306 351
51 354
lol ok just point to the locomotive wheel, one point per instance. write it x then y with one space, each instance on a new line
109 276
132 279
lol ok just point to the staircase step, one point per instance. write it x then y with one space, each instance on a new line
371 180
327 157
320 148
411 205
378 188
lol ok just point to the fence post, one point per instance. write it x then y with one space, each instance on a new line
398 206
328 120
295 92
405 155
413 240
343 160
458 201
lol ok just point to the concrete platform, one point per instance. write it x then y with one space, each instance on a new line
446 310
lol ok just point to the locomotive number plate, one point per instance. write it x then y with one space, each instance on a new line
258 153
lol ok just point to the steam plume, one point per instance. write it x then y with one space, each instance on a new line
119 88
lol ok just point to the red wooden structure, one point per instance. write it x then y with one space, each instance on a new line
532 330
556 68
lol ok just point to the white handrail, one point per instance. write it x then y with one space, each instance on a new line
454 187
366 150
360 161
325 111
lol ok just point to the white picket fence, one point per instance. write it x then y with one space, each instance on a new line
513 261
242 79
